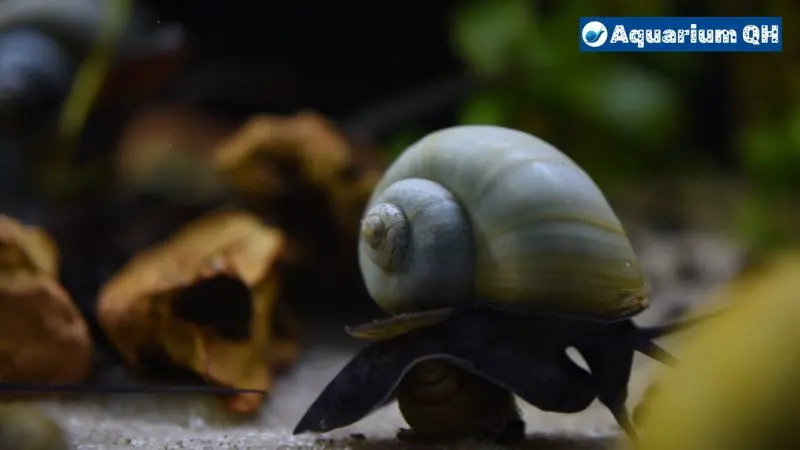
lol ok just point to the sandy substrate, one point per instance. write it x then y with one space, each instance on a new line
180 422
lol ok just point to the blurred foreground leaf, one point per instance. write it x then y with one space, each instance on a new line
736 385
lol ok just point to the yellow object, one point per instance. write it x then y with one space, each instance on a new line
26 427
736 385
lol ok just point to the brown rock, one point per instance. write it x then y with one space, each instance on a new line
42 334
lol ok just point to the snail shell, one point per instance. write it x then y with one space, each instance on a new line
438 398
495 216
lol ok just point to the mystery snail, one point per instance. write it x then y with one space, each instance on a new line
494 252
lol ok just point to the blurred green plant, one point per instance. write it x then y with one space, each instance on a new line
770 152
637 117
61 176
625 111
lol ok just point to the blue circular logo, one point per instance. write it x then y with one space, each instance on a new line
594 34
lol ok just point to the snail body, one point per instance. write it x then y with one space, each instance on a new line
493 252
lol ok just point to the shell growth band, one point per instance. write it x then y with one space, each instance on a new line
681 34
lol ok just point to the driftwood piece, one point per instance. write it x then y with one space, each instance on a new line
205 299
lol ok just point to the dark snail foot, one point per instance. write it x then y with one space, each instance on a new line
523 354
538 370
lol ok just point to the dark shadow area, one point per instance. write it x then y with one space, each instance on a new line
532 442
222 303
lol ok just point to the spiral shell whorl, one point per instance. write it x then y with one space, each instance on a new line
385 232
433 382
544 237
416 248
436 397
